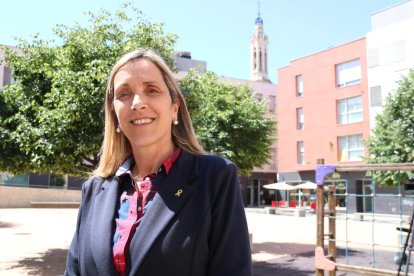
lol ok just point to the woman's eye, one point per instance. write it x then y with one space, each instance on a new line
152 90
122 95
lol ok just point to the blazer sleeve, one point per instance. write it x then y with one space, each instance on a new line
230 252
72 259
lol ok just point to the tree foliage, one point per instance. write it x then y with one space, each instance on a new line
392 139
229 120
51 118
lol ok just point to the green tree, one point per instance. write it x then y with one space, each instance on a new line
392 139
229 120
51 118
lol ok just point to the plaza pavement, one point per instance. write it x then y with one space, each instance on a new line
35 242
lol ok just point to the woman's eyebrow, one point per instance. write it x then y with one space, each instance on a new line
150 83
122 85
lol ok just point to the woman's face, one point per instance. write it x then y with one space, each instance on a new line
143 105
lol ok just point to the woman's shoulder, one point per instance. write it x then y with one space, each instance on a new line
214 158
93 183
215 161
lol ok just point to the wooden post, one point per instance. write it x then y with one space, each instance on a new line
332 225
320 202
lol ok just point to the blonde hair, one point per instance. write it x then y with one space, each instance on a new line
116 147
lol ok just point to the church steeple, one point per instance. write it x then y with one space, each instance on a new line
258 51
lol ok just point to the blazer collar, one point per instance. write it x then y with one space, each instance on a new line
169 200
102 228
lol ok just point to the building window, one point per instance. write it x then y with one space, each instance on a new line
260 60
7 77
348 73
349 110
299 86
254 59
272 103
15 180
393 53
375 96
373 57
399 51
301 152
299 118
351 148
57 180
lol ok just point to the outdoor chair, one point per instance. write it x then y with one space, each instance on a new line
313 206
275 203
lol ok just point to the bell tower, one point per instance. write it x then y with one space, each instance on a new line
258 52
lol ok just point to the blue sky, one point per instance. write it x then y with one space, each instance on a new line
216 31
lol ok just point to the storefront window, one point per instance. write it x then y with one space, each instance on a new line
14 180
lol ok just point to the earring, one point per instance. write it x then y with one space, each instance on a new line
175 122
118 130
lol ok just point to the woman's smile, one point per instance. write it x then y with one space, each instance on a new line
143 121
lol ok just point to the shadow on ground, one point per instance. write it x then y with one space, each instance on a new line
50 263
266 269
291 259
284 248
298 259
7 225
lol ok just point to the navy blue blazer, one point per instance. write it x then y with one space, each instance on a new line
196 224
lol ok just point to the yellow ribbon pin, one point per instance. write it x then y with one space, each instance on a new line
179 192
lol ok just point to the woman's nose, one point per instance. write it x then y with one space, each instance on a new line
137 102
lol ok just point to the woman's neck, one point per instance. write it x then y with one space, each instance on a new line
149 159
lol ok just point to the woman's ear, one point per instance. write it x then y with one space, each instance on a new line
176 107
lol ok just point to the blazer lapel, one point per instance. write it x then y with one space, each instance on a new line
103 225
167 202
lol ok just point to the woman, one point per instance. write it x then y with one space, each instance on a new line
157 204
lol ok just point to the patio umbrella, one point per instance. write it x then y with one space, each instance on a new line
306 185
280 186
